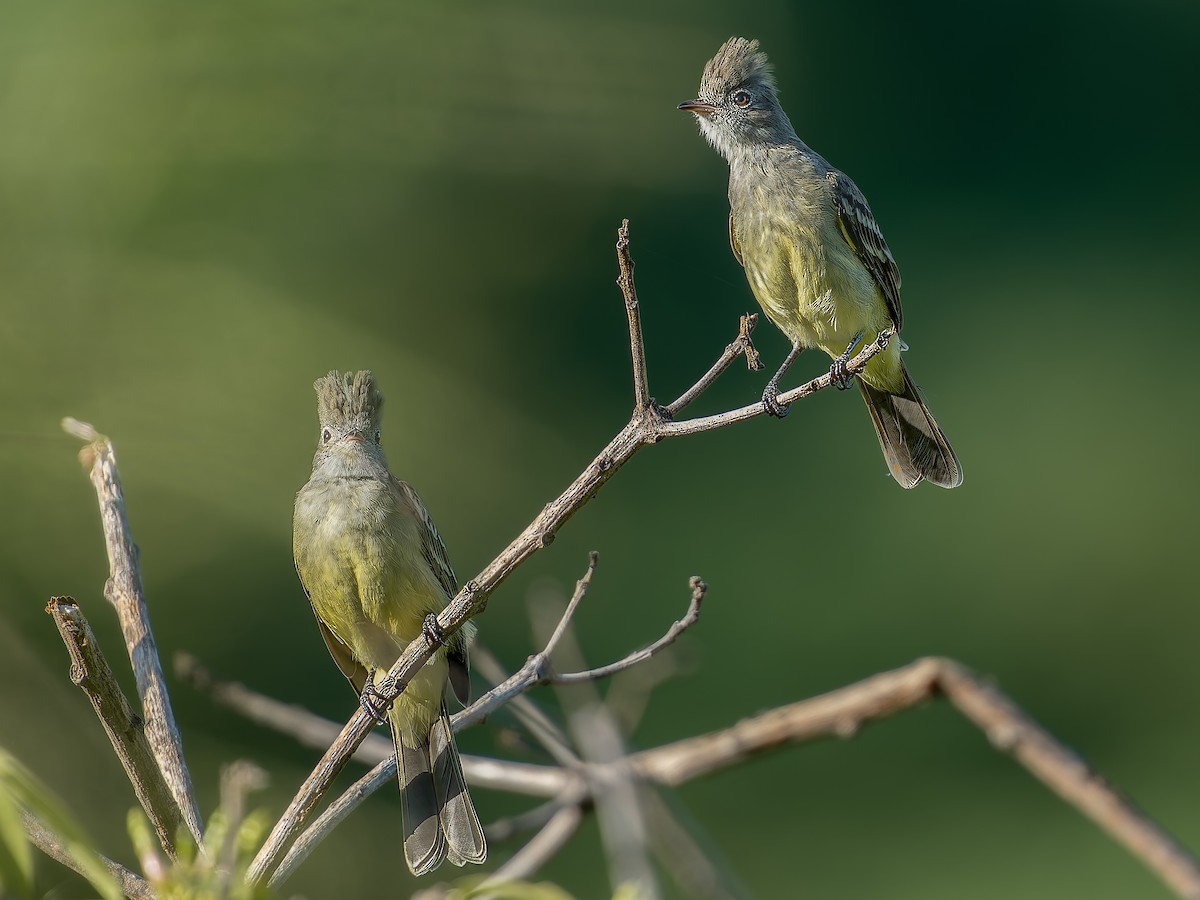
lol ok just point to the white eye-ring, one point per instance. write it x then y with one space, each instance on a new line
326 434
741 98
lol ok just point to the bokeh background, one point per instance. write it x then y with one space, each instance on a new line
203 207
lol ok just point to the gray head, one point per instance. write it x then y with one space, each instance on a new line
349 408
737 108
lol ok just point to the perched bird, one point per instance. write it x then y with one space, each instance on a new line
376 572
814 256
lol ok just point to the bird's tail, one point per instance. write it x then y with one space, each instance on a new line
436 811
913 445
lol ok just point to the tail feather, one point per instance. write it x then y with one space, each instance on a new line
913 444
460 824
438 816
424 843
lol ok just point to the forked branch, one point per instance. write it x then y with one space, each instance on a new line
647 426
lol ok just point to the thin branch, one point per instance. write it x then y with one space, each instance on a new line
332 816
647 426
510 689
641 387
742 345
754 410
132 884
842 712
581 589
699 589
90 670
124 590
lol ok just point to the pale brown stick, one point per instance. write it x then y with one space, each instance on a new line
842 712
90 670
637 348
132 884
742 346
124 591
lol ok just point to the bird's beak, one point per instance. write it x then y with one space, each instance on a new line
699 107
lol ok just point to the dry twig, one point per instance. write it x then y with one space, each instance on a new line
134 886
89 670
124 591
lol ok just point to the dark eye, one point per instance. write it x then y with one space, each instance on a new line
740 98
377 437
326 434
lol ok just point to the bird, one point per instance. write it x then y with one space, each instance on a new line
377 574
815 257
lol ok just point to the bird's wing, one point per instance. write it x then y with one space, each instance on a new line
733 244
860 230
432 547
354 671
434 552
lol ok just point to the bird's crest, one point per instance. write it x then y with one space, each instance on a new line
351 402
738 62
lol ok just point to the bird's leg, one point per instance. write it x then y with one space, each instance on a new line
372 701
433 631
842 378
771 391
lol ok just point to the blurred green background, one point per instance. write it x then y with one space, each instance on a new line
203 207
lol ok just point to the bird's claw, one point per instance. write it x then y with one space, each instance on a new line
771 403
373 702
839 376
433 631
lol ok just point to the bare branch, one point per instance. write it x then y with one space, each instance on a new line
842 712
753 410
581 588
647 426
641 387
510 689
132 884
333 815
699 588
124 590
89 670
741 345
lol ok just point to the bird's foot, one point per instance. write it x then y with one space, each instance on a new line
433 631
771 402
839 376
837 372
372 701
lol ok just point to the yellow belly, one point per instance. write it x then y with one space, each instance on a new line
819 295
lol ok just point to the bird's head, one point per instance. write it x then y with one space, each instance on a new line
349 409
737 108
